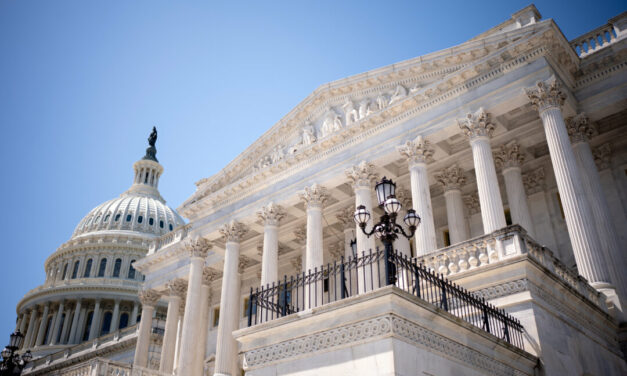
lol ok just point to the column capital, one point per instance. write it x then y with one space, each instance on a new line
346 217
534 181
579 128
301 234
546 95
233 231
198 247
476 124
209 275
297 264
271 214
416 151
243 263
362 175
472 203
314 196
404 196
509 155
177 287
451 178
603 156
149 297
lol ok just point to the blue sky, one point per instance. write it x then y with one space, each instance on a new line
83 82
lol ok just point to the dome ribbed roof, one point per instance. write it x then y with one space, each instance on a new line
131 213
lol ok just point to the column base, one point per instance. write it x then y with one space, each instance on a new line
614 302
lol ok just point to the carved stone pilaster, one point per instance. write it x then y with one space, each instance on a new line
233 231
534 181
271 214
416 151
177 287
362 175
477 124
301 234
404 196
579 128
509 155
198 247
297 264
346 217
244 262
209 275
149 297
314 196
451 178
546 95
472 203
603 156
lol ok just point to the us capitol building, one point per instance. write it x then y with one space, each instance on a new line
458 213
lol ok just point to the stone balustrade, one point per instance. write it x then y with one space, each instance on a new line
506 243
173 236
594 40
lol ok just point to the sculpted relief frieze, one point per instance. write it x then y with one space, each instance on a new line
332 115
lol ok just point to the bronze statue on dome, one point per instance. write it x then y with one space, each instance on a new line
151 151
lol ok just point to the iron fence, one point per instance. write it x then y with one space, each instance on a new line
357 275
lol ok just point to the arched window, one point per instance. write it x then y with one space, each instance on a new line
106 323
123 321
131 270
87 268
48 330
117 217
116 268
58 339
90 316
140 219
106 219
64 272
161 224
171 227
128 217
151 221
75 270
103 266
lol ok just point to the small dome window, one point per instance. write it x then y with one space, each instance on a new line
128 217
161 224
117 217
140 219
97 218
151 221
171 227
106 219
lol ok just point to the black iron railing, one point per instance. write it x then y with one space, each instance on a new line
368 272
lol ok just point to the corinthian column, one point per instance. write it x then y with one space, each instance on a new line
345 216
208 276
509 158
226 348
57 324
42 325
198 250
314 197
580 130
149 299
362 176
478 128
270 216
176 292
418 153
548 98
452 179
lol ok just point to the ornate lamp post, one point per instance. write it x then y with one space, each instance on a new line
387 229
13 363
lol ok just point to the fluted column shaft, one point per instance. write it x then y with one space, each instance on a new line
579 220
455 215
270 258
193 310
57 324
94 329
169 337
421 199
591 181
115 319
42 325
517 199
490 200
201 349
226 348
363 196
66 327
74 329
31 328
143 336
134 312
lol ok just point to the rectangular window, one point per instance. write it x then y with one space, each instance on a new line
508 217
447 237
216 316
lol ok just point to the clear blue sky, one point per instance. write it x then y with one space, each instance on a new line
83 82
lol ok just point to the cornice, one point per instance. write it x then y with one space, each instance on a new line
517 44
